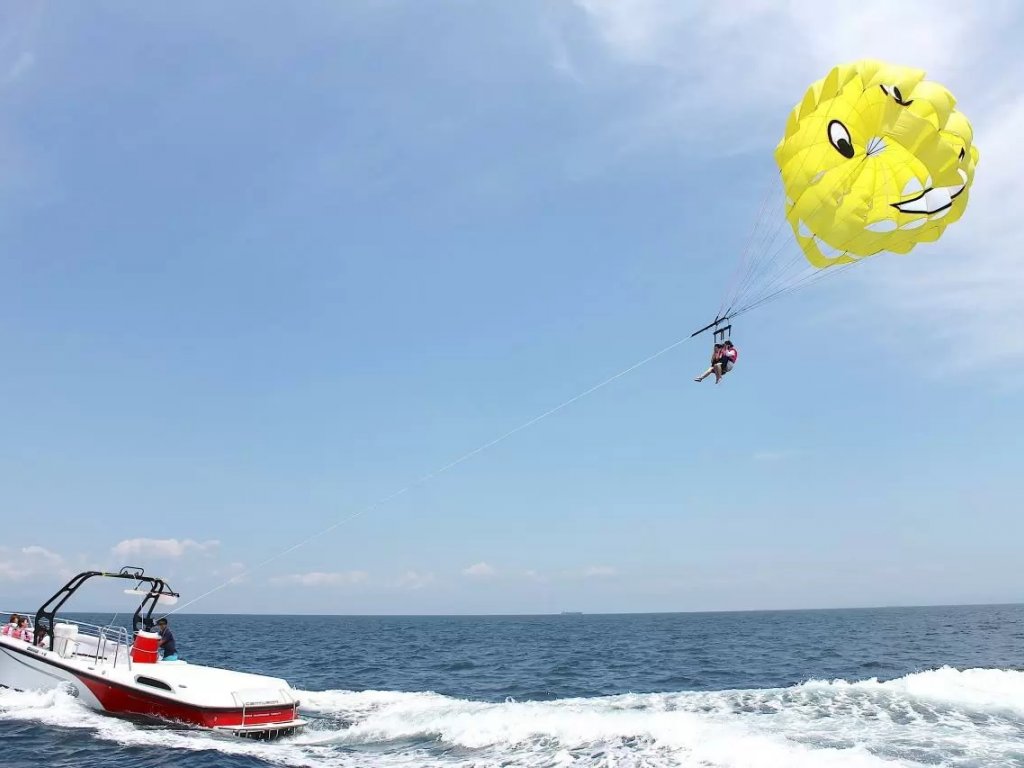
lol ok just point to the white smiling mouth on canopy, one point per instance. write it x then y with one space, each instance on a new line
934 202
931 200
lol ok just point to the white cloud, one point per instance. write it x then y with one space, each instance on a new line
561 57
723 76
479 570
21 66
22 22
415 579
575 574
30 562
235 573
322 579
169 548
770 456
751 51
43 554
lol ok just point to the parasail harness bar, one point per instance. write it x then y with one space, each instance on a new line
720 332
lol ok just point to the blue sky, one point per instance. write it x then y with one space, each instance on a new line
261 268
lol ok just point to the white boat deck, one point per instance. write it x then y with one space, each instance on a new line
107 652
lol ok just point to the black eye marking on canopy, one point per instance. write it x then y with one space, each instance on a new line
963 153
839 137
895 93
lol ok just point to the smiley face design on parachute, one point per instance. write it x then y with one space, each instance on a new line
875 158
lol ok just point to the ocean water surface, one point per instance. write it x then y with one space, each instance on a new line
788 689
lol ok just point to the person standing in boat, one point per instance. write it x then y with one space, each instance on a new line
168 648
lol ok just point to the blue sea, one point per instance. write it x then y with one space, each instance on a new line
786 689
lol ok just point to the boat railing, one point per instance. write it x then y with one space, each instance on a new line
5 614
109 644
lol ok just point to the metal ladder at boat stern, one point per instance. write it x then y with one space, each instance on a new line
261 698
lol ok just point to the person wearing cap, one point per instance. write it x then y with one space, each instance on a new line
168 648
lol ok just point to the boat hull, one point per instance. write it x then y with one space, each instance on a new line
26 668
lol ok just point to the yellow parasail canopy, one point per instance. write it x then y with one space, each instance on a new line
874 158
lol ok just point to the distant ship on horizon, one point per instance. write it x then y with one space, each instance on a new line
572 613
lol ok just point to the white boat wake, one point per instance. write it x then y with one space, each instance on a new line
941 717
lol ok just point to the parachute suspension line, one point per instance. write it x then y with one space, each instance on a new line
779 265
757 268
775 289
777 274
808 279
776 268
784 283
765 275
765 265
439 471
743 265
754 266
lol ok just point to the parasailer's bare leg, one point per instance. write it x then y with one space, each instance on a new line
718 372
704 375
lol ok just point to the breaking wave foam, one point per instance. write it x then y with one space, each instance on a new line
945 717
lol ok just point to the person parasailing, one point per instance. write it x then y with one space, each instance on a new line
716 359
723 359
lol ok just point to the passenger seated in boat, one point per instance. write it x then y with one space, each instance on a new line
24 631
11 626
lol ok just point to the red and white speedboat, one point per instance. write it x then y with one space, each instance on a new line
120 674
